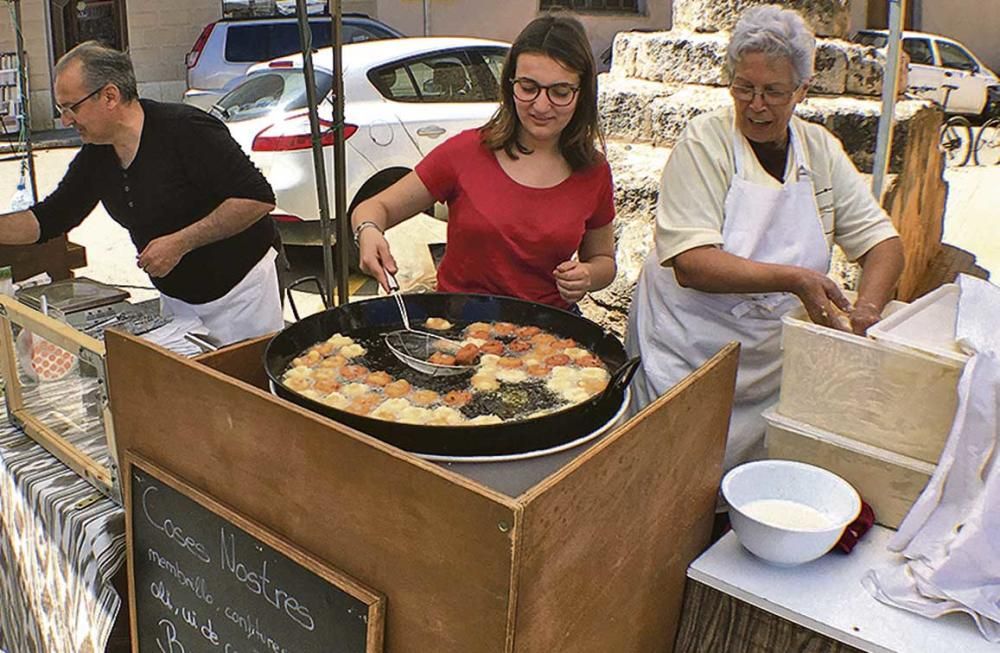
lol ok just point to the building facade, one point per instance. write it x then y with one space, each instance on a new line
159 33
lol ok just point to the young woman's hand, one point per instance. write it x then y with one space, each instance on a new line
375 257
573 280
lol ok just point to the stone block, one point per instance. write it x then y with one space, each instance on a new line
624 106
865 70
681 58
855 122
829 69
623 54
670 115
826 17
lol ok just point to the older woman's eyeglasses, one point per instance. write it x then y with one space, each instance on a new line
560 94
772 96
71 109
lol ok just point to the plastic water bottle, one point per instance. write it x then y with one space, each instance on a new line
22 199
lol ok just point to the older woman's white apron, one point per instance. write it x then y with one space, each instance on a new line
676 329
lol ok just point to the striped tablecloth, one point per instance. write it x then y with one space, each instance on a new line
59 548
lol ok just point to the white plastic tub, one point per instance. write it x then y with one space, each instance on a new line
927 325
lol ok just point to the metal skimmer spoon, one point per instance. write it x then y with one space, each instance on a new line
413 347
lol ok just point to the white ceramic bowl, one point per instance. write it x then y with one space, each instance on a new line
788 512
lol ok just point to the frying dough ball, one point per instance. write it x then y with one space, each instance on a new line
575 395
298 383
595 373
593 386
575 352
353 351
425 397
445 415
415 415
352 390
326 386
391 409
338 341
397 388
299 371
487 361
336 400
484 382
334 362
512 376
438 324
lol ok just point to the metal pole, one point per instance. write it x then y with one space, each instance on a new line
427 17
344 240
890 83
319 167
24 115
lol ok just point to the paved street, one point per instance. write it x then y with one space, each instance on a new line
972 222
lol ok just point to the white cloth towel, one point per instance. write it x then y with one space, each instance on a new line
950 540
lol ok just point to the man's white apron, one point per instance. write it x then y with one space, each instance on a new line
251 308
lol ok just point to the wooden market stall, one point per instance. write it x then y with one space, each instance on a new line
592 558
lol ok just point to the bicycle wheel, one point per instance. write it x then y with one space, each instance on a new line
956 141
986 150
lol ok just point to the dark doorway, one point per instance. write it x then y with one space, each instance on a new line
76 21
878 14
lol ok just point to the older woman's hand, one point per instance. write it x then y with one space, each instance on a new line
863 315
818 292
572 280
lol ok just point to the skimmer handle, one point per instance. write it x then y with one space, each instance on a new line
394 291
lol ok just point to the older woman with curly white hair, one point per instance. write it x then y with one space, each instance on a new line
751 201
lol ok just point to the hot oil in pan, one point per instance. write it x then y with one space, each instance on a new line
513 401
510 401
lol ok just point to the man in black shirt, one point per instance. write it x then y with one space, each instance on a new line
194 205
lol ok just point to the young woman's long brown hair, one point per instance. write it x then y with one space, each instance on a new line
563 39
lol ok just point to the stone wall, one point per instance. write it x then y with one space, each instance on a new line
639 111
827 17
677 57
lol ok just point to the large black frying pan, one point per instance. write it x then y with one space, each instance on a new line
368 319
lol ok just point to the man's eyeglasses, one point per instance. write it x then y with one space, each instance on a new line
71 109
771 96
560 94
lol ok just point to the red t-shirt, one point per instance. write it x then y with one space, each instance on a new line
505 238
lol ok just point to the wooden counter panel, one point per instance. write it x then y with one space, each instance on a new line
714 622
583 524
436 545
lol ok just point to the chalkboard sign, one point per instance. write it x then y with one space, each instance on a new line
206 579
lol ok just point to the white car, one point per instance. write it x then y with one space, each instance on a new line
937 62
403 97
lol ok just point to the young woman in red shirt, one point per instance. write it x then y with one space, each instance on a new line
529 194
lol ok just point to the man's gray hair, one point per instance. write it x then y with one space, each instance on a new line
102 66
776 32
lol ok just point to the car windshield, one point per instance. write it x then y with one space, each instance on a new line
873 39
270 91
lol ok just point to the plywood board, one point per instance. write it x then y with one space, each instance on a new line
244 361
607 541
888 481
438 547
862 389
